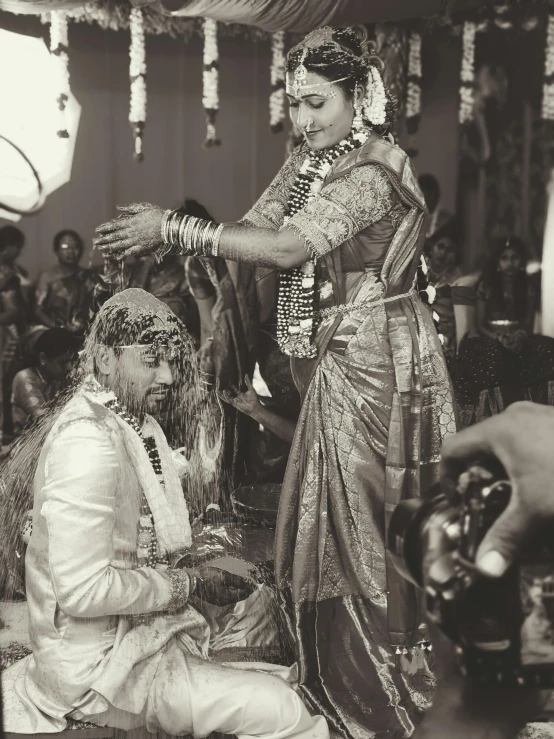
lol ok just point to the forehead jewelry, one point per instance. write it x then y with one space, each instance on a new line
300 73
299 90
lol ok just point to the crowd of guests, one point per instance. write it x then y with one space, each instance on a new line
487 320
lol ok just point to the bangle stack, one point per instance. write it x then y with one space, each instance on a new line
189 236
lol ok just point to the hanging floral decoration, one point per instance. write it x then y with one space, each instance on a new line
467 75
277 98
548 82
137 74
413 88
376 101
59 49
210 94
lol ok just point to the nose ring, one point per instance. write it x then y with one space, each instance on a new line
309 123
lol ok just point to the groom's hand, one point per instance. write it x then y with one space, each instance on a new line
221 588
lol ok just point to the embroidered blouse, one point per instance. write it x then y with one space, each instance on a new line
362 202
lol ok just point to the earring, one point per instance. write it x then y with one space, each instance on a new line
358 120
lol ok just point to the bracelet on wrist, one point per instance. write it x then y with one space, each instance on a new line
189 236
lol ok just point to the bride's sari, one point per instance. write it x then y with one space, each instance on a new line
377 404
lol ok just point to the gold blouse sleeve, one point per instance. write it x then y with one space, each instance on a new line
269 210
345 207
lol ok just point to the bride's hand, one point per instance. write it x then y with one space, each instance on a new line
137 231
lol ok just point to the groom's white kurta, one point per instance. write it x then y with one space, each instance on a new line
84 585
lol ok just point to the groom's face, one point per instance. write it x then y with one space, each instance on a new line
143 377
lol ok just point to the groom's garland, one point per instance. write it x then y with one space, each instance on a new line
147 551
183 582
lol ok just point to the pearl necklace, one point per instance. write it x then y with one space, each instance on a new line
295 306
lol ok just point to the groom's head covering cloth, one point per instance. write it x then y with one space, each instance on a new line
135 317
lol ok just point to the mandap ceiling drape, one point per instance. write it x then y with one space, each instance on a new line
276 15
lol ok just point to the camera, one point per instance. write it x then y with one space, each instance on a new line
503 628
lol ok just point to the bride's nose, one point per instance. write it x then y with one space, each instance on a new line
304 121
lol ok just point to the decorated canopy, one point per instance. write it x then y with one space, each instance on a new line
277 15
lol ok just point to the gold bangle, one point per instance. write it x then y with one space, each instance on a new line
190 234
175 224
165 219
206 238
216 240
182 228
194 235
186 234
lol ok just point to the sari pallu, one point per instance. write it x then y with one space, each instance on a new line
377 403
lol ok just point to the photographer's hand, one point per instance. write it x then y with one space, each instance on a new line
521 439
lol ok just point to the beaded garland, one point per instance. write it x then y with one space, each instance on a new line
295 306
147 550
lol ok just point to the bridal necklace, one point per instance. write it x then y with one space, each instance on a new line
295 305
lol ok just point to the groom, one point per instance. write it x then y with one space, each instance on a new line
116 639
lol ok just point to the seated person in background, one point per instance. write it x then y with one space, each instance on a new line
432 194
454 301
117 632
13 239
505 362
33 388
13 321
64 293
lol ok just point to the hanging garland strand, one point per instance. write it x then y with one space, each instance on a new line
59 49
467 75
137 75
548 81
413 88
277 98
210 78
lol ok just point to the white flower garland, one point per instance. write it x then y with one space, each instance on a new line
277 112
413 88
137 74
210 78
59 49
376 100
548 84
467 74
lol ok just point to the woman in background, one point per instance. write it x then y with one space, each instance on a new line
505 362
64 293
454 303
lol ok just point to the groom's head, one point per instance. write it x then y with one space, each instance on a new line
136 343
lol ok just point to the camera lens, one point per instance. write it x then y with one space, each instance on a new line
419 529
